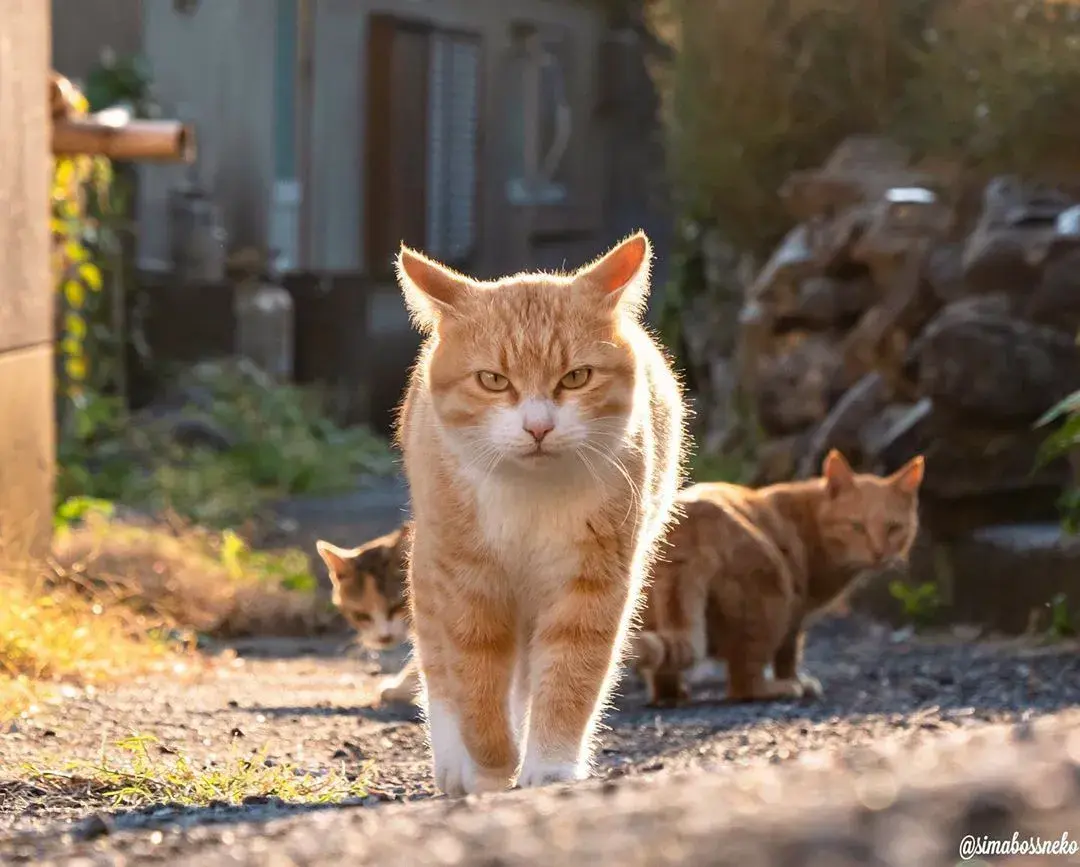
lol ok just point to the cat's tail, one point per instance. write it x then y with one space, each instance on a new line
669 651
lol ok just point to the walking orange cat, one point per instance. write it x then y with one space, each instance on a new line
542 439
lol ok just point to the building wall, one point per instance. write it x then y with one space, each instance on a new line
82 28
338 112
213 68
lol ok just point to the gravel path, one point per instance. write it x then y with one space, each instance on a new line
675 784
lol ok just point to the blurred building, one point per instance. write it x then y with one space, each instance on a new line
495 134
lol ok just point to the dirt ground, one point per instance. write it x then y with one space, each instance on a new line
308 703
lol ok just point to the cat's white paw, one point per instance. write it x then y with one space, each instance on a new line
393 692
401 688
456 773
454 767
811 686
538 772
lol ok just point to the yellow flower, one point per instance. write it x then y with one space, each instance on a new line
74 293
91 276
75 325
76 368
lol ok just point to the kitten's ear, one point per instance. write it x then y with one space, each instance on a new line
837 472
431 290
622 274
909 476
338 560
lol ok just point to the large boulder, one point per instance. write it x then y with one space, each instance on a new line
979 360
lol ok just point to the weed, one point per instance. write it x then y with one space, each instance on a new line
50 636
270 441
1061 619
920 602
141 779
197 579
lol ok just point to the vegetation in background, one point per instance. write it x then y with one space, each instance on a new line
919 602
238 442
51 634
116 598
141 778
1062 443
1062 624
193 580
759 88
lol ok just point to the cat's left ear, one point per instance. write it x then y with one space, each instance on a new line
909 476
622 274
837 472
431 290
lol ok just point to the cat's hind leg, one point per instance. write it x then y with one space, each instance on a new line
749 647
787 662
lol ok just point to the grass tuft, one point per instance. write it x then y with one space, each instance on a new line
141 779
117 599
50 636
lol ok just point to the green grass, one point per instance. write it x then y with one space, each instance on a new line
140 778
282 444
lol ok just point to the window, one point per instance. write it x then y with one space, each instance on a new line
422 139
453 115
539 116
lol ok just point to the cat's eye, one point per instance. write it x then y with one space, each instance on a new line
892 528
492 381
360 617
858 526
576 378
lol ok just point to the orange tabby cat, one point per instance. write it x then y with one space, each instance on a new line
542 433
745 568
369 589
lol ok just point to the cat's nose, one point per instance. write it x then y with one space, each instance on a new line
539 428
384 639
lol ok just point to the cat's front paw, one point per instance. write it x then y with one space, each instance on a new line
811 686
456 773
538 772
391 692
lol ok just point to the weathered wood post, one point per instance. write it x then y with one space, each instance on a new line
31 128
26 297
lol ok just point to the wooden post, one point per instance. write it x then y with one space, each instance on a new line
26 295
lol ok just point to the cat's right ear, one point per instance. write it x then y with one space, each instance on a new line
431 290
837 472
336 559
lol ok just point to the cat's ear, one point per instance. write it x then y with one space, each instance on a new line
837 472
338 560
431 290
909 476
621 275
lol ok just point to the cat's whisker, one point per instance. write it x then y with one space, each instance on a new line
588 466
613 460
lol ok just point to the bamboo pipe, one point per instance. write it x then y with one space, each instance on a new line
114 134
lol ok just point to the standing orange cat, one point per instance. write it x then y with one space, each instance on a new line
542 433
744 568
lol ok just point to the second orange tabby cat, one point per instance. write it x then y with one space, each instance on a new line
744 568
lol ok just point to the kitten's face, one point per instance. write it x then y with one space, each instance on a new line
534 372
866 521
369 589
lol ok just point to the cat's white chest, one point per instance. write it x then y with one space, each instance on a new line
534 530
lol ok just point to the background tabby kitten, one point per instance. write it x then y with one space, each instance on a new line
744 568
370 590
542 435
